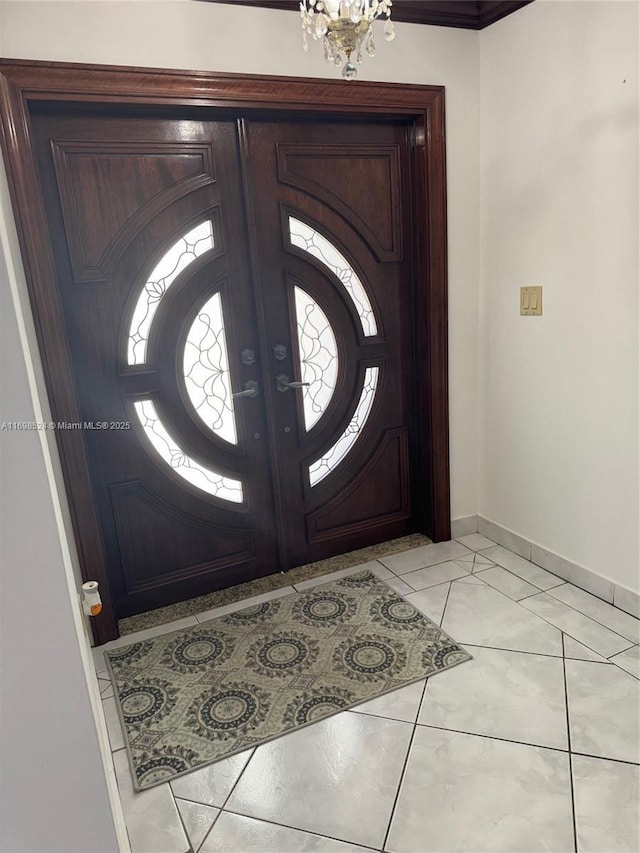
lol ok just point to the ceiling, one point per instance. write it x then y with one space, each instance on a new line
467 14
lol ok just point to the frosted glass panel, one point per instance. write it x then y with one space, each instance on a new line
206 371
306 238
208 480
333 457
318 357
179 256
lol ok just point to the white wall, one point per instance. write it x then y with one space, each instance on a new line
54 789
559 208
208 36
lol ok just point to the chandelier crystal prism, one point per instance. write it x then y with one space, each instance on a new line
345 29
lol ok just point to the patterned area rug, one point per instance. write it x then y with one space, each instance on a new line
196 696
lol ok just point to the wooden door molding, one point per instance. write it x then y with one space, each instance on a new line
28 85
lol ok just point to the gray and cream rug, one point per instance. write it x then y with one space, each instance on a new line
198 695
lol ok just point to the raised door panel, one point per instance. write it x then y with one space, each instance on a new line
379 495
157 557
148 178
345 177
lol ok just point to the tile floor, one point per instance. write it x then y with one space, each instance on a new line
532 746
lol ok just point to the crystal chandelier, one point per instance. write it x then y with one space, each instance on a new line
344 26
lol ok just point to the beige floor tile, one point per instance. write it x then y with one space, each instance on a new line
482 616
606 614
338 777
604 705
510 695
197 820
629 661
467 794
401 704
235 833
607 794
211 785
427 555
594 635
152 819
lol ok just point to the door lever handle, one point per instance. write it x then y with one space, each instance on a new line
283 384
250 390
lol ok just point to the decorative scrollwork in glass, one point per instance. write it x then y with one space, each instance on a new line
334 456
206 479
206 370
318 357
183 252
309 240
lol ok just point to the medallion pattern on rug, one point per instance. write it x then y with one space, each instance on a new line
195 696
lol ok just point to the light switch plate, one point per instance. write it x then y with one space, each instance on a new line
531 301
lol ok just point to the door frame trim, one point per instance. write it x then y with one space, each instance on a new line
24 84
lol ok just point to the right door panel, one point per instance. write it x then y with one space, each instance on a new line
330 211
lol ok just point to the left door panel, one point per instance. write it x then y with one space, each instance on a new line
149 237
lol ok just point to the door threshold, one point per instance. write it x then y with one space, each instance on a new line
220 597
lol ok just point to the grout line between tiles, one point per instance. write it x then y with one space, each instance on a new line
516 651
606 758
422 568
424 693
575 609
354 710
616 664
404 768
504 594
200 846
226 800
208 833
193 802
494 737
531 583
182 823
566 705
297 829
605 662
621 650
593 618
240 775
526 743
584 616
444 609
500 592
524 580
524 597
606 659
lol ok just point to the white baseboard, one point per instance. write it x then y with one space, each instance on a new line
464 526
505 537
613 593
627 600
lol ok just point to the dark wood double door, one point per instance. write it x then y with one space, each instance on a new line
238 308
